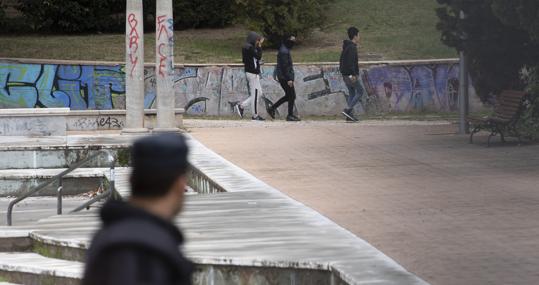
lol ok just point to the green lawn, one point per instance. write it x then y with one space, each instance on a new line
391 29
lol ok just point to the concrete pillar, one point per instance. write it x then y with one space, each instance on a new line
134 68
164 67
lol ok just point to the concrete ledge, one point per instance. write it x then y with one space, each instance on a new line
33 122
89 120
34 112
58 156
37 264
49 173
57 121
12 240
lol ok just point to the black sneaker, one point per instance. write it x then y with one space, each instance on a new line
349 116
271 112
239 110
292 118
258 118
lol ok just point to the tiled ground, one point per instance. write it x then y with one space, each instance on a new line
451 212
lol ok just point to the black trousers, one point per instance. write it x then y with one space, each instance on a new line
289 96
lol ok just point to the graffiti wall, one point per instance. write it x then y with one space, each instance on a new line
214 90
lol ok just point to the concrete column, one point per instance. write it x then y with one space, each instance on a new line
164 67
134 68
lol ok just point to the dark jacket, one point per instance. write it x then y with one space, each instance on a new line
252 54
285 67
349 63
135 247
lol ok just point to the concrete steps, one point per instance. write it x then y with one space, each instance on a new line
14 240
31 268
252 234
24 152
21 263
16 182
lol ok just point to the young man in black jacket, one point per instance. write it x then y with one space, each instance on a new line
349 66
284 73
138 243
252 55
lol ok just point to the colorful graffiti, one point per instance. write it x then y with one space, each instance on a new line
213 90
47 85
321 90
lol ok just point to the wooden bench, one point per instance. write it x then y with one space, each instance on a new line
504 119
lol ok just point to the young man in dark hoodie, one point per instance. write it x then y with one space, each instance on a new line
284 73
138 243
252 55
349 66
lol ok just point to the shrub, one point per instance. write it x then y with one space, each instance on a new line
497 52
276 19
529 124
2 14
66 16
203 13
501 38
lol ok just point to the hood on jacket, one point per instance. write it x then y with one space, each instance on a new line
252 37
347 43
289 43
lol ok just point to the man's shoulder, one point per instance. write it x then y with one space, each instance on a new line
136 232
284 50
137 241
351 47
247 47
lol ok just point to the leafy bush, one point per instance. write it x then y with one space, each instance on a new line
2 14
66 16
501 38
497 51
203 13
529 124
278 18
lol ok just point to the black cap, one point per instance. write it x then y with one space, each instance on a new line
160 153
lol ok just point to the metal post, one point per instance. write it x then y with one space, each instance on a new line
464 103
9 212
164 67
134 68
59 193
111 180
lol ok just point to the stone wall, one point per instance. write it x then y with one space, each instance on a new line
214 89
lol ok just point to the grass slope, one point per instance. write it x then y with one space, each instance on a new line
391 29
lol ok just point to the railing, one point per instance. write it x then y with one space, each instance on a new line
202 183
59 178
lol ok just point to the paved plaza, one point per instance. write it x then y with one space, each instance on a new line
448 211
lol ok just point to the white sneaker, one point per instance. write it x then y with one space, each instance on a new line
239 110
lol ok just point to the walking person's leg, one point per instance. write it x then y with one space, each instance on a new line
352 97
240 107
291 103
257 91
282 100
358 93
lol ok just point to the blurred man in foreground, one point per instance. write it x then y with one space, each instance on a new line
138 243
